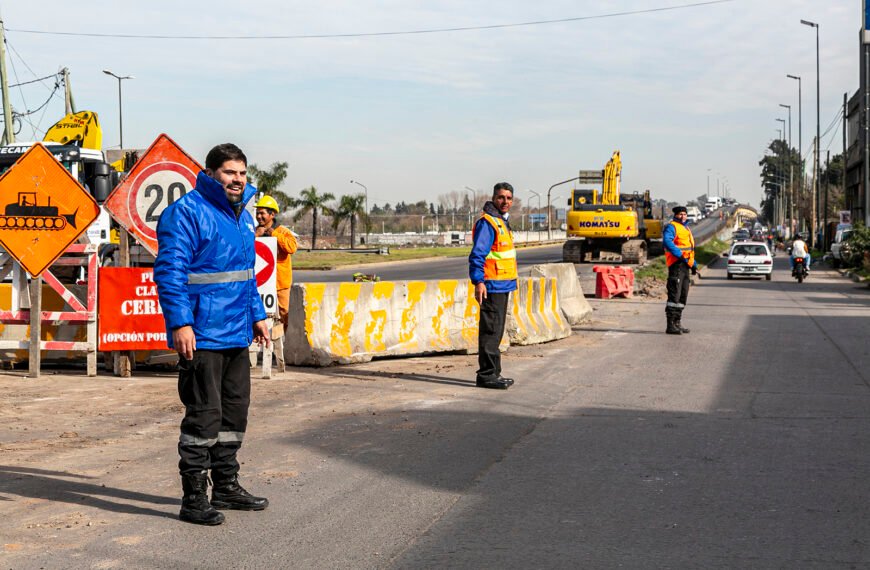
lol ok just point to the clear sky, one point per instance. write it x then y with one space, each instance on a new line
684 94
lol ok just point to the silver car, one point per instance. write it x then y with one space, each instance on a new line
750 258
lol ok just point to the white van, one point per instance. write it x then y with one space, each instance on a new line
695 214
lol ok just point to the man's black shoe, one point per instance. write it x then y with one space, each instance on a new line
228 494
496 383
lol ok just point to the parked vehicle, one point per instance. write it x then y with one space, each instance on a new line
749 258
799 271
840 247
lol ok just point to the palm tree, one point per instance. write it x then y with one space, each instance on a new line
311 201
268 181
349 207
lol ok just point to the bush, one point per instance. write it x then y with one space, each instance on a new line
858 246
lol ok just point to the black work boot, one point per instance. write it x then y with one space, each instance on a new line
672 324
678 321
195 507
228 494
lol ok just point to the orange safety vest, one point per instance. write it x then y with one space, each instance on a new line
501 261
683 240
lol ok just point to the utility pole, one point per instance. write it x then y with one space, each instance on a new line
8 128
69 103
800 188
814 217
827 183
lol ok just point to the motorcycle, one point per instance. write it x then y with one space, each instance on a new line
799 271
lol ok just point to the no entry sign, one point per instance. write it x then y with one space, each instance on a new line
162 175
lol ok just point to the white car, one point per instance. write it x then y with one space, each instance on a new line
749 258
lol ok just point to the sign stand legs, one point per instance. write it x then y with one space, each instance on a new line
35 326
122 364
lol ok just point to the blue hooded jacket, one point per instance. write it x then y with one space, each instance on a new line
200 240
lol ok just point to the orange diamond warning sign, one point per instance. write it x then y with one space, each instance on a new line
44 209
162 175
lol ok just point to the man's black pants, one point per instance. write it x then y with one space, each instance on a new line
678 288
215 388
493 312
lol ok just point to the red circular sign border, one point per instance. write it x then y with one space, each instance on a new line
136 185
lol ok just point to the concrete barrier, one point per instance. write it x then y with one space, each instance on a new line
572 302
339 323
535 315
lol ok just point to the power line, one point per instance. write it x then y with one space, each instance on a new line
376 34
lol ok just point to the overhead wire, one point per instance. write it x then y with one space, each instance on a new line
376 34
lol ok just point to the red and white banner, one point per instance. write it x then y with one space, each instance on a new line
130 317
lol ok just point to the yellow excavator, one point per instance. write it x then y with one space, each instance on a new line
607 225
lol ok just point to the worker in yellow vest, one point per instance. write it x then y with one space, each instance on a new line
492 268
680 257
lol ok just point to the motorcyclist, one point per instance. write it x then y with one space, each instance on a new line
799 249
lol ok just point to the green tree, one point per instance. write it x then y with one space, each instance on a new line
349 207
268 181
311 201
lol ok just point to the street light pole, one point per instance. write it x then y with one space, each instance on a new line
473 204
120 109
708 182
366 207
549 232
796 194
539 211
781 210
790 193
818 137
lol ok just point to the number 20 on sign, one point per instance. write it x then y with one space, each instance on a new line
162 175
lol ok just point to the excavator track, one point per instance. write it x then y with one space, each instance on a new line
634 251
33 222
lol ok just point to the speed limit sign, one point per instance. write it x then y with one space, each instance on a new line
162 175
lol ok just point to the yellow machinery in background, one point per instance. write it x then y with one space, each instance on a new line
82 129
608 225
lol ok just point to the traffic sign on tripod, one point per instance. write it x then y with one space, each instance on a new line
45 209
266 249
162 175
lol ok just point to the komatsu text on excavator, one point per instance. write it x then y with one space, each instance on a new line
608 225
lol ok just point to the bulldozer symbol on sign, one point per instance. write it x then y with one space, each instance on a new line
26 214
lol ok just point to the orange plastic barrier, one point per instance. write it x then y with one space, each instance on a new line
613 281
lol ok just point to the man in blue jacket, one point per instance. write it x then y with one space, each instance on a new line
205 280
492 268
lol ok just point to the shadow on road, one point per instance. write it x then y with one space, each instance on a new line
57 486
336 372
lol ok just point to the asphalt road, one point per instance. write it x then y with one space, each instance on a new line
745 444
457 268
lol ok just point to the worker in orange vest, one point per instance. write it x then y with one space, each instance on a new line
492 268
680 257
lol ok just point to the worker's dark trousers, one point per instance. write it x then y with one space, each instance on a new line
492 316
215 388
678 288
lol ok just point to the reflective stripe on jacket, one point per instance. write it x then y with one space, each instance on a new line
493 258
205 268
682 242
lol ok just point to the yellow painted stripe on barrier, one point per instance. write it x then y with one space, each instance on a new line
529 310
440 329
313 303
542 307
470 319
516 311
407 338
374 338
339 341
